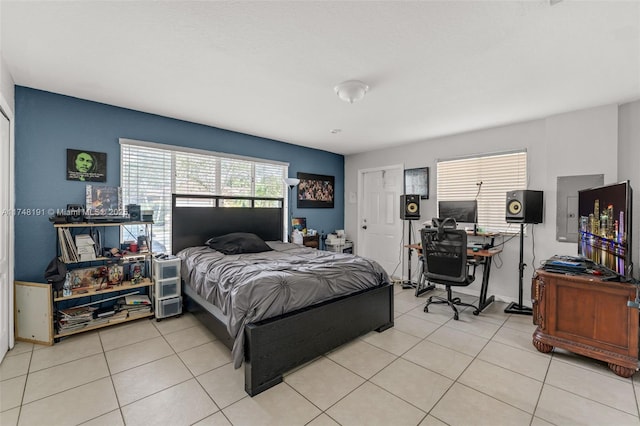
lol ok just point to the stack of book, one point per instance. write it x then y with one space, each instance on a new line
111 313
138 304
67 246
75 318
85 247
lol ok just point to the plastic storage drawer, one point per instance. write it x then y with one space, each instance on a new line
164 269
169 307
167 288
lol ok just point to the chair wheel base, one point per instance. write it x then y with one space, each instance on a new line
452 302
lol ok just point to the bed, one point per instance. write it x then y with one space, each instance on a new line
276 344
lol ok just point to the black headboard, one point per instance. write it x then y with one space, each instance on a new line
192 225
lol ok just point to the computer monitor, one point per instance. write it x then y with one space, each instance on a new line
463 211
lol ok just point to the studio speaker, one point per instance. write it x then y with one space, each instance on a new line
410 207
134 212
75 213
524 206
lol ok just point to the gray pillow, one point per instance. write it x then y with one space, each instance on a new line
238 243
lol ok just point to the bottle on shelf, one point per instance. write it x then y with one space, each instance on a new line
142 241
66 287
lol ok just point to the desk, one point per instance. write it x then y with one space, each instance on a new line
483 257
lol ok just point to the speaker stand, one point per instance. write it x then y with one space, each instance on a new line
407 284
519 308
422 286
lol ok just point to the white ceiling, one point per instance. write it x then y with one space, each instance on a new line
268 68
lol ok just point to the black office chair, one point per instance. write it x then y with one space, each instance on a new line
444 250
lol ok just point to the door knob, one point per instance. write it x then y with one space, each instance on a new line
364 226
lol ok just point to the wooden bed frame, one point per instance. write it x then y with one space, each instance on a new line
276 345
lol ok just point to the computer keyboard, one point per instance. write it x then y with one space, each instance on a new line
479 246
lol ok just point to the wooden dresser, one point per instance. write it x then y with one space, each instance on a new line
588 316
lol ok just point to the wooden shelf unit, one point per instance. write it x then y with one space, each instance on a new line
125 287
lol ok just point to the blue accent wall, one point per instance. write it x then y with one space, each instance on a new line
46 124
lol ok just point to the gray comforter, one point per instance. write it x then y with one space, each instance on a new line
251 287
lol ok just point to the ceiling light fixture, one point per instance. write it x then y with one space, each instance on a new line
351 90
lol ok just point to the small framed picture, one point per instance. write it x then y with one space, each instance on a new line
299 223
86 166
416 181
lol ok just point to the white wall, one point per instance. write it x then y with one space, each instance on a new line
6 80
575 143
628 159
7 88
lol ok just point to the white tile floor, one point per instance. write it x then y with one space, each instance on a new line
427 370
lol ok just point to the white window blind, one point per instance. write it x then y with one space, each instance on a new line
151 173
196 173
236 177
459 180
146 180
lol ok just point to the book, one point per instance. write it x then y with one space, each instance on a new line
119 316
135 271
84 240
137 299
67 246
104 312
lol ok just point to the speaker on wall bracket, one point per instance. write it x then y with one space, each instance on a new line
410 207
524 206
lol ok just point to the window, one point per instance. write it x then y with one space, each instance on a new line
459 179
150 173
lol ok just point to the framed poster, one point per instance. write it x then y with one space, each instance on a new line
416 181
86 166
315 191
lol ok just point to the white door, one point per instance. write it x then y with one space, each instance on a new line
380 234
5 183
